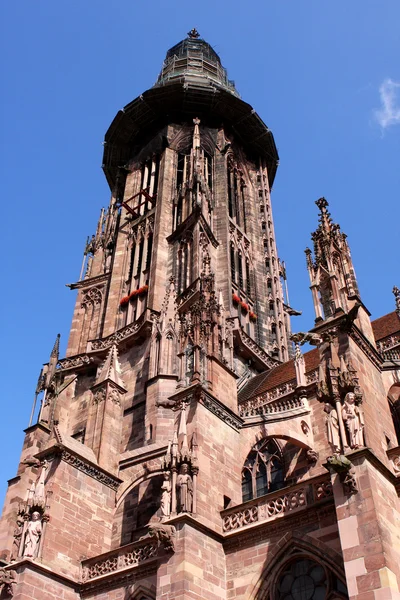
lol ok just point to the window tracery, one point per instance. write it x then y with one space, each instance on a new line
306 579
263 470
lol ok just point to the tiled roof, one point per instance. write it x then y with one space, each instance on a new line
386 325
382 327
276 376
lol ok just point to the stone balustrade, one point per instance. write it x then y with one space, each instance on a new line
277 504
122 558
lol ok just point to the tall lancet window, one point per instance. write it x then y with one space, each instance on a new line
184 265
149 184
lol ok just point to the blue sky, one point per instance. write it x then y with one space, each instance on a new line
324 76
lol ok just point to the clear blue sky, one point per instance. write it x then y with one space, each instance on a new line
324 76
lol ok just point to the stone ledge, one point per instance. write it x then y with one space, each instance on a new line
81 463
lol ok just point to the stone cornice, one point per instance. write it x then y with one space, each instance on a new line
195 522
147 453
248 346
209 401
221 411
369 350
369 454
91 281
27 563
81 463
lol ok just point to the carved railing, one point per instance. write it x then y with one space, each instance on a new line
125 557
257 406
275 505
148 316
388 342
273 401
392 354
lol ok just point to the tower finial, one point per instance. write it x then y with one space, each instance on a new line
193 34
396 293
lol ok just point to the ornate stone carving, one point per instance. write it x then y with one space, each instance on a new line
125 332
346 471
7 580
99 396
91 297
74 362
286 502
265 406
129 556
240 518
323 490
114 396
312 456
164 534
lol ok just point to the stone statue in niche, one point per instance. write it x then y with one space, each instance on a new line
184 484
166 496
332 426
32 536
353 420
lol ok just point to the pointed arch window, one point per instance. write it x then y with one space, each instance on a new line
263 470
306 579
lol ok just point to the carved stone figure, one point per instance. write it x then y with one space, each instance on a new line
32 536
184 484
166 495
353 419
332 426
164 535
7 579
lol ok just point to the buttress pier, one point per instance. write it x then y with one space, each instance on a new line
185 447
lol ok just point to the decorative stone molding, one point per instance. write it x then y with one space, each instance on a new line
247 343
146 319
90 282
81 360
90 469
221 411
276 504
266 407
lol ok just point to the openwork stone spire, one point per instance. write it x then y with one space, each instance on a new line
332 276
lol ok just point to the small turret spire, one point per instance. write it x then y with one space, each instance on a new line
396 293
111 369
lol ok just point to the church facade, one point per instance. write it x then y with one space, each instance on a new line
185 446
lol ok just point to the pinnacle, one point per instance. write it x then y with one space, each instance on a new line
111 369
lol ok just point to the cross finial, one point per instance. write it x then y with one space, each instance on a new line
193 34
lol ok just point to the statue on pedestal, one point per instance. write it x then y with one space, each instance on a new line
353 420
32 536
184 484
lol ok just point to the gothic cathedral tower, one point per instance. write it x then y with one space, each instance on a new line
179 400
